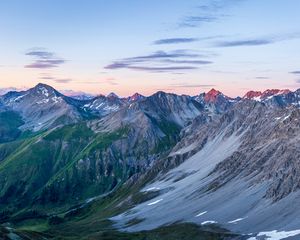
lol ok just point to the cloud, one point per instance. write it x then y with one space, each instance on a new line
174 41
195 21
149 69
116 65
44 59
262 78
271 39
295 72
162 69
197 62
47 78
66 80
164 55
298 81
216 5
161 61
239 43
209 11
184 40
40 54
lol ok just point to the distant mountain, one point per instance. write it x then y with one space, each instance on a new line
102 105
275 97
77 94
135 97
215 101
6 90
267 94
41 107
211 163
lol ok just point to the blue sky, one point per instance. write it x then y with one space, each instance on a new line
145 46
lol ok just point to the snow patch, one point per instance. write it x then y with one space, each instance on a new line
208 222
275 235
44 91
200 214
56 99
151 189
20 97
155 202
236 220
43 101
286 117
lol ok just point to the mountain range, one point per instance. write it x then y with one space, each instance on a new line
165 166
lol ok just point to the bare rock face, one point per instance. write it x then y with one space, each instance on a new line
268 146
268 150
242 165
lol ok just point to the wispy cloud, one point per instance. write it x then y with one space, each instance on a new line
162 69
174 41
194 21
161 61
295 72
43 59
197 62
209 11
165 55
266 40
149 69
239 43
298 81
65 80
262 77
49 77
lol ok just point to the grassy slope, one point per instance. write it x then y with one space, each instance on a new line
9 123
45 159
91 222
60 167
47 165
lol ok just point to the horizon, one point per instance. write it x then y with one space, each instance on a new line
71 93
187 48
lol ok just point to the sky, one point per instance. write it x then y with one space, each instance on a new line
128 46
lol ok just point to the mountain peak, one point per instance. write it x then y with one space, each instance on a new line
252 94
271 92
43 85
258 95
112 95
212 95
135 97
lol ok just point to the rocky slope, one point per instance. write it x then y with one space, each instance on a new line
240 171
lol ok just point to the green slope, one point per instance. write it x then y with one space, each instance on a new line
9 123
